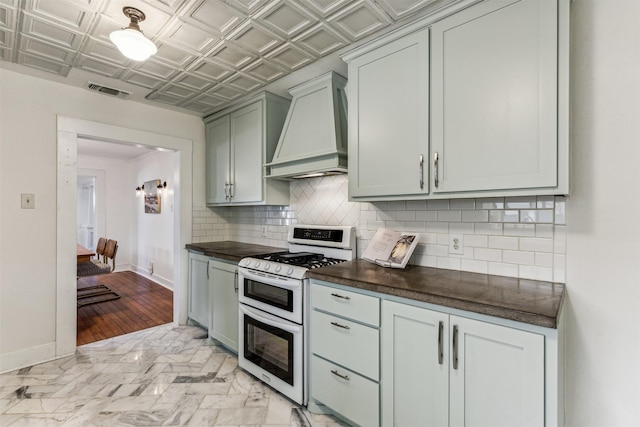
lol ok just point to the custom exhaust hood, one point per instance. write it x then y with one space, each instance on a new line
313 141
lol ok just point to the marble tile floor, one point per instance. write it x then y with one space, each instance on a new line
163 376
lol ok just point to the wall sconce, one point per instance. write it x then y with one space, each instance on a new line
162 187
140 190
130 40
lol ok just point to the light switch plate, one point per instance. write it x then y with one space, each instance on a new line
28 201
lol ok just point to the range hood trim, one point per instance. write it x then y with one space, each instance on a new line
328 93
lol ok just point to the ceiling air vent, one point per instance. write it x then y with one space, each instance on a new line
108 90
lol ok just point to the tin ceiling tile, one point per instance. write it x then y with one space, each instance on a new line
360 19
43 64
107 52
99 67
36 47
173 56
164 98
157 69
321 40
290 57
225 92
8 17
324 8
141 79
286 18
190 38
211 101
209 70
5 54
6 38
242 82
193 82
234 57
248 7
52 32
215 15
399 9
178 91
70 15
252 37
263 70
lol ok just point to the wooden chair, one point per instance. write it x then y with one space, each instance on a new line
100 266
102 244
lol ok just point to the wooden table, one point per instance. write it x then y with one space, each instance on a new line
84 254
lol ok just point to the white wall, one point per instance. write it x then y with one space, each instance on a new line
603 242
28 164
153 237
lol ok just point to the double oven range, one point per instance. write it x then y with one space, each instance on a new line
273 295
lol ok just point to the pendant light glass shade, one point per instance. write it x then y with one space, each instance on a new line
130 41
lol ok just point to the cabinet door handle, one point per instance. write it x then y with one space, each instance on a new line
440 343
226 191
339 375
435 169
230 190
340 326
421 171
235 282
340 296
455 347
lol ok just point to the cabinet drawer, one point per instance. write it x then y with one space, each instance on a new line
363 308
350 344
345 392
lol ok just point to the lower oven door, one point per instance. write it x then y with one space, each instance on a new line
271 348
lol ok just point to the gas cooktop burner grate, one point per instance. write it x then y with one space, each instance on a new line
301 259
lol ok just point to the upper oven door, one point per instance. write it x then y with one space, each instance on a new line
278 295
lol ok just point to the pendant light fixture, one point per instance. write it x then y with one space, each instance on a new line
131 41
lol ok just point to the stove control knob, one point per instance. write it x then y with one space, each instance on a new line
256 264
278 268
267 266
247 262
289 271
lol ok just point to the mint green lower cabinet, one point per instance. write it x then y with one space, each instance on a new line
223 286
444 370
198 297
415 366
349 394
500 377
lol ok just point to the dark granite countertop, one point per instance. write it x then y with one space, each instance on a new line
231 251
528 301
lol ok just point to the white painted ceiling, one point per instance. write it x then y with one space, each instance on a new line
211 53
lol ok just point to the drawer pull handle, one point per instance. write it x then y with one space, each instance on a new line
339 375
340 296
340 326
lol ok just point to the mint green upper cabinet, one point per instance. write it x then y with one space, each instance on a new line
495 98
389 118
239 142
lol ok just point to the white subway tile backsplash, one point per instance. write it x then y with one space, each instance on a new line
462 204
503 216
536 244
519 257
484 254
502 269
481 215
502 242
513 236
521 202
520 230
449 216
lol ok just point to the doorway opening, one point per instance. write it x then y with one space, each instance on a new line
69 132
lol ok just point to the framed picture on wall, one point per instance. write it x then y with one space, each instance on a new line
152 197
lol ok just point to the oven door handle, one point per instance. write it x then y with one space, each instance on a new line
269 320
283 282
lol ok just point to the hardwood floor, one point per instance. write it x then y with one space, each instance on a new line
142 304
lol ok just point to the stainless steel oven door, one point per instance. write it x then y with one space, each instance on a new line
272 349
278 295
